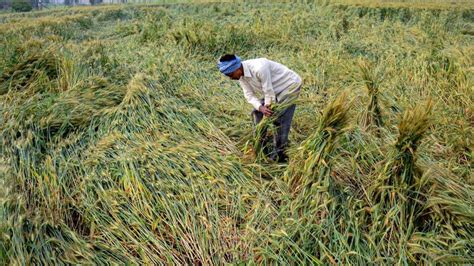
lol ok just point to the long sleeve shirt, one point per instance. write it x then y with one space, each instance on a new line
268 78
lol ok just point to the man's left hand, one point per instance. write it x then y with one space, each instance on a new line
266 110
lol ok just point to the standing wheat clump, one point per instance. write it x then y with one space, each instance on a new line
373 114
310 164
397 189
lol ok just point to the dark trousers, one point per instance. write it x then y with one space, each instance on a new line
280 140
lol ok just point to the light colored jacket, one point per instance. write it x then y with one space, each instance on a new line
269 78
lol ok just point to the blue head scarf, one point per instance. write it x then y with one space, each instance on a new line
228 67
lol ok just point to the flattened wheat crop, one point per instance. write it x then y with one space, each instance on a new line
121 143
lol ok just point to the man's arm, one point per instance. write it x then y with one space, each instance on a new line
264 74
250 96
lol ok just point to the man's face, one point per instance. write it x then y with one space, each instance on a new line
236 74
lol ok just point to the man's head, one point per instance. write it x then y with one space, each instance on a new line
231 66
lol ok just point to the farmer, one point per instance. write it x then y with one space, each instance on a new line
277 84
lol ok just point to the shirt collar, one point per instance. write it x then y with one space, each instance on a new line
246 70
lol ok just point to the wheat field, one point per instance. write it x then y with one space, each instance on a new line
121 143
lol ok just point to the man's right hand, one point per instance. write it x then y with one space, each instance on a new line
265 110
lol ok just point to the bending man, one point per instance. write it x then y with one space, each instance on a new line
276 83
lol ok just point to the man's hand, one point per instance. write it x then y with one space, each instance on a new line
265 110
